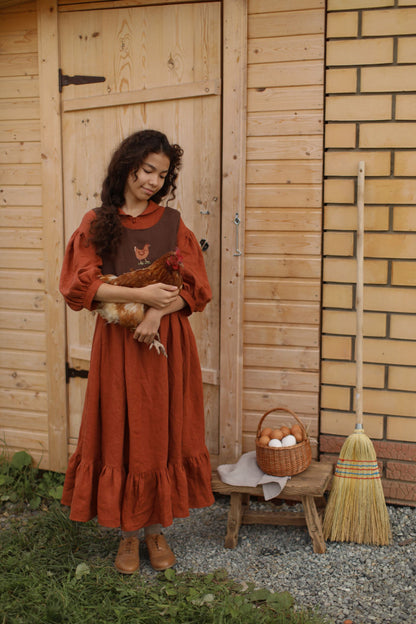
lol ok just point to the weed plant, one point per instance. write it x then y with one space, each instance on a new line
55 571
23 484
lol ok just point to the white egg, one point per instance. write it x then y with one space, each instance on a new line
289 440
275 443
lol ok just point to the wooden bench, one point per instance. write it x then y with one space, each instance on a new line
308 487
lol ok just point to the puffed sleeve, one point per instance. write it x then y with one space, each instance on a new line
196 290
81 268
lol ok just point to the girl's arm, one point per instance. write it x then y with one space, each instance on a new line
148 328
157 296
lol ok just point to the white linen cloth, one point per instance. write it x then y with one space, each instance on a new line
247 472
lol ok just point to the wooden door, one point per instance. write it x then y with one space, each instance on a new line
161 68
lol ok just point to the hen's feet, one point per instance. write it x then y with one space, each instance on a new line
158 346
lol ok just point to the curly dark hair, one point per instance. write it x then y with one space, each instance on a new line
106 229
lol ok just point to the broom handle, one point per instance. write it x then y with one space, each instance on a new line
359 300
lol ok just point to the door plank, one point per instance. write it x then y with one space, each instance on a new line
156 94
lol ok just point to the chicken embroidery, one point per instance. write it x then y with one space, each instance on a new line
165 270
142 254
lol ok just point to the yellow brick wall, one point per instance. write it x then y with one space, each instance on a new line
371 116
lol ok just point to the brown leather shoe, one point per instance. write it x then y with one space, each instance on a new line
161 556
127 559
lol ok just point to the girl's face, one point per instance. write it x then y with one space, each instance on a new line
142 184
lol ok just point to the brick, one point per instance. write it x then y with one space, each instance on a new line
386 351
399 492
404 217
343 424
331 444
406 50
403 326
345 270
401 471
335 397
342 24
359 52
339 191
405 163
403 428
389 245
391 191
406 107
345 218
340 135
338 244
346 163
394 78
393 403
388 22
402 378
403 273
390 299
358 107
337 296
403 451
335 372
336 347
344 323
341 80
398 134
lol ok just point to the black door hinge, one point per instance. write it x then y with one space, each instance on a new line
74 372
65 80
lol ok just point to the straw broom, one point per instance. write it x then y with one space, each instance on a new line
356 509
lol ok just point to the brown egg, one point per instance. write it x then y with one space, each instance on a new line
297 432
276 434
266 431
264 440
285 431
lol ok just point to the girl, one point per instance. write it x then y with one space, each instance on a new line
141 458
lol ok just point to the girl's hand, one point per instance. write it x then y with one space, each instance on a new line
149 327
159 295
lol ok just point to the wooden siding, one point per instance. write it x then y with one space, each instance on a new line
283 212
23 375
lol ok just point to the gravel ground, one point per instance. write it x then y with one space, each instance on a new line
365 584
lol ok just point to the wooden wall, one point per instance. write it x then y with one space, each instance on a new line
283 212
23 402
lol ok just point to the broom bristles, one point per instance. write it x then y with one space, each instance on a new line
356 509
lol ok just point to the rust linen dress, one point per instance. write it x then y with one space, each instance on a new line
141 457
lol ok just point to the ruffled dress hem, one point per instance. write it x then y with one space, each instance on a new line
135 500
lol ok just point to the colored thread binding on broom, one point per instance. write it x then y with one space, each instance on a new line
357 469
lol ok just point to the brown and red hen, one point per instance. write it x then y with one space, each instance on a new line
164 270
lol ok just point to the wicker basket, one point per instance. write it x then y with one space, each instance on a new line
283 461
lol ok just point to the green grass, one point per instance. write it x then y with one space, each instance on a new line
55 571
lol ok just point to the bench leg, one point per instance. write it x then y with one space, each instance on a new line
314 524
235 516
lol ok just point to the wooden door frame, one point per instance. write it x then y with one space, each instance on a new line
233 203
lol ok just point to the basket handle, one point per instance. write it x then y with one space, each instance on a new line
281 409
